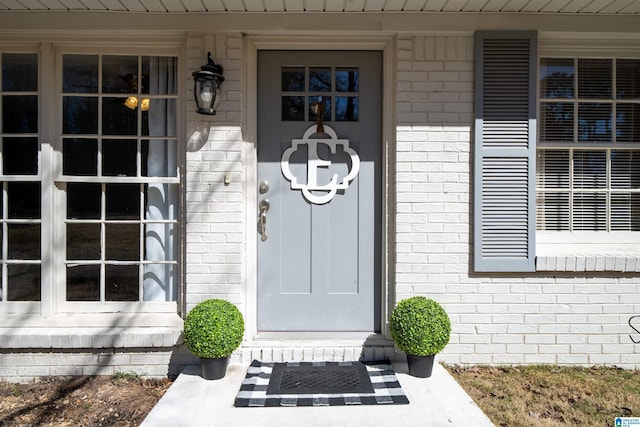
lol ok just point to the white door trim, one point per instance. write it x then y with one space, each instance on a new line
253 44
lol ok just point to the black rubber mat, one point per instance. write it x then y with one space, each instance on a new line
329 378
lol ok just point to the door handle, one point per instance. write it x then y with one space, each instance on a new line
264 208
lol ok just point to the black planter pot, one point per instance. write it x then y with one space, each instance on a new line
420 366
214 369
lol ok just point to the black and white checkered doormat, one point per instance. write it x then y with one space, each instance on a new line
274 384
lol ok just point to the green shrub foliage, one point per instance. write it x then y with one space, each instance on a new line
420 326
213 329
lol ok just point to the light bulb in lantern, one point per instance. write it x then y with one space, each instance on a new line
131 102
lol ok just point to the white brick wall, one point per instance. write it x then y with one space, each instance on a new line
215 210
152 363
562 314
547 317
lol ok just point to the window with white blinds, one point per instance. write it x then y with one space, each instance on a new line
588 155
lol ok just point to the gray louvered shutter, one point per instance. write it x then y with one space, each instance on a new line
505 143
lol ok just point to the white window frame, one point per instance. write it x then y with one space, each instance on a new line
28 307
586 243
53 196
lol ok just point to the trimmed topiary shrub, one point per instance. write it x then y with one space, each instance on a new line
420 326
213 329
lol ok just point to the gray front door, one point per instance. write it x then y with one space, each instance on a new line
319 220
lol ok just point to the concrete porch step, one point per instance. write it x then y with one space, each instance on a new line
193 401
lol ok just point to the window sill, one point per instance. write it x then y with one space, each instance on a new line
575 263
588 251
90 331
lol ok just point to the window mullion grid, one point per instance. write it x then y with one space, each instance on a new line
141 244
333 93
141 185
571 188
614 96
139 120
576 103
103 242
100 104
5 244
608 208
614 99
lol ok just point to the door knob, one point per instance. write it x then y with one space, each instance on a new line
264 187
264 208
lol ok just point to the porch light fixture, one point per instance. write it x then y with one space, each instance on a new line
206 87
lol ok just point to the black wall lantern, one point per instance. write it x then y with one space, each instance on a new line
206 87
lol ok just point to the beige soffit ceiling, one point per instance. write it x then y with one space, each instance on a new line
583 7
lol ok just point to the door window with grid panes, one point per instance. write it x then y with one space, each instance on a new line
588 165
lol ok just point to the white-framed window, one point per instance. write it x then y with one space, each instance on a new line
20 177
588 152
94 225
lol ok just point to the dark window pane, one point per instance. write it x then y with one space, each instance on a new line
556 121
122 283
556 77
80 157
293 79
83 283
625 212
83 241
589 169
19 72
119 157
320 80
83 200
20 114
160 118
326 100
625 169
594 78
24 200
293 108
117 119
80 73
628 123
589 212
628 78
122 242
119 74
20 156
24 282
553 169
594 122
158 158
159 75
552 211
123 201
24 241
347 109
347 80
80 115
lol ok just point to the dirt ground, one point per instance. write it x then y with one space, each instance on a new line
121 400
518 396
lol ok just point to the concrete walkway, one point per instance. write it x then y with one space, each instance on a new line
192 401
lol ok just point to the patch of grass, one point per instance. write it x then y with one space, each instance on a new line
551 395
16 390
125 376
